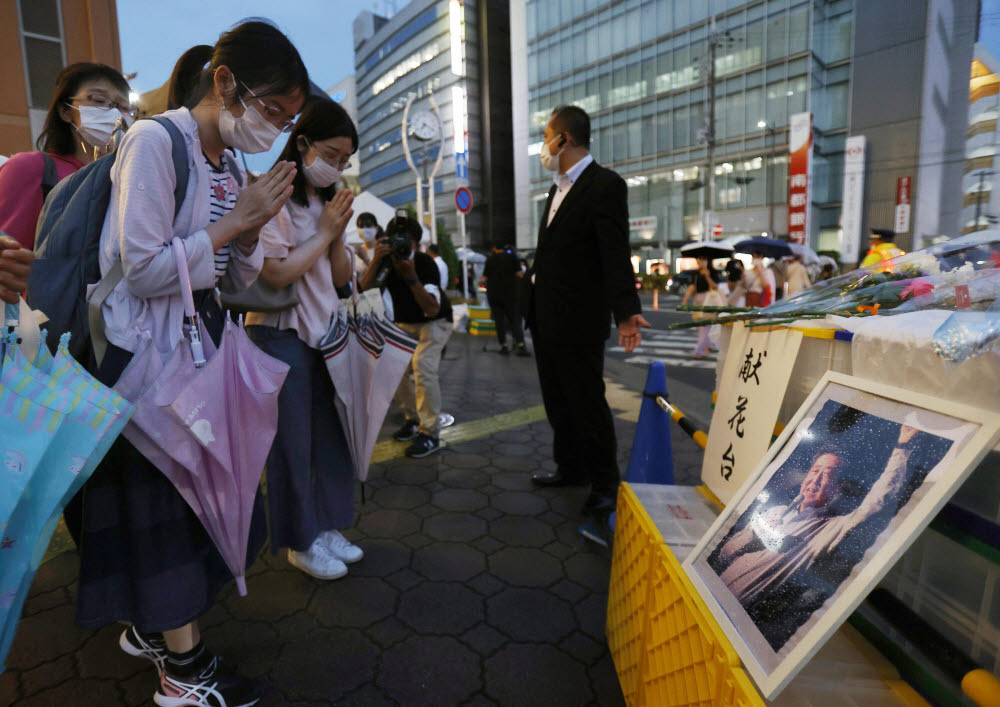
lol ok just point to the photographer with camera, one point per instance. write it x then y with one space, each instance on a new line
422 309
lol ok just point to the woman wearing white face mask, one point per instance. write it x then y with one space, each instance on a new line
145 557
310 476
88 101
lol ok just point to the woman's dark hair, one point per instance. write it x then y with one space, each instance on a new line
57 135
366 219
321 119
260 56
185 81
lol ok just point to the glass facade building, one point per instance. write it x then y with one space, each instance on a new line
640 68
442 49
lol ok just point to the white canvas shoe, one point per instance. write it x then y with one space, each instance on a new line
317 562
340 547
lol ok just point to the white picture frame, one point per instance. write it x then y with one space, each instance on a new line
770 567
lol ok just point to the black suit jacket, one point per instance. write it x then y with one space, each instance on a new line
582 270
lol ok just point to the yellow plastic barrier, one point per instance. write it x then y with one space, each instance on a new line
635 539
668 649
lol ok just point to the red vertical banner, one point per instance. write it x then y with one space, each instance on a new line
799 172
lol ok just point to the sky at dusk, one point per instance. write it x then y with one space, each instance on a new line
155 33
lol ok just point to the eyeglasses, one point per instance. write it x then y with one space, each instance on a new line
103 100
275 115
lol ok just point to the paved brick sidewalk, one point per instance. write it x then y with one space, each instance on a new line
475 589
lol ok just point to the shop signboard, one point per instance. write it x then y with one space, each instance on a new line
902 220
754 378
799 175
854 197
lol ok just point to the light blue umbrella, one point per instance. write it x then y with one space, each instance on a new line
62 422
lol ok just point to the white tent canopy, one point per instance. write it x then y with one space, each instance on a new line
383 212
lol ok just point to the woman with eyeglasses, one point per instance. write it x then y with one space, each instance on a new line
310 476
145 557
89 101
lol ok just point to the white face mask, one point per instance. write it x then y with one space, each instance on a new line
97 125
550 161
369 232
320 173
250 133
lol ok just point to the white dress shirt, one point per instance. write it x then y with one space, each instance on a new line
564 182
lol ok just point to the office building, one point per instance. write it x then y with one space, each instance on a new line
453 54
38 38
889 71
980 202
344 92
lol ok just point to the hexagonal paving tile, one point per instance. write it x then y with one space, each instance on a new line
521 531
591 570
48 633
448 562
459 500
525 567
515 449
429 670
530 615
525 465
463 478
546 677
411 474
519 503
457 527
401 497
382 557
592 613
467 461
388 523
272 595
513 480
353 602
440 608
326 665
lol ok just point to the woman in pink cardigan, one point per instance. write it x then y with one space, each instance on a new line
89 100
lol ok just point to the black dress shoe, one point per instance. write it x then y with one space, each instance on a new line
548 479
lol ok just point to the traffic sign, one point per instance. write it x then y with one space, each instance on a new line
717 230
463 199
462 166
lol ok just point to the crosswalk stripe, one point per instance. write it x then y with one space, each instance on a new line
642 360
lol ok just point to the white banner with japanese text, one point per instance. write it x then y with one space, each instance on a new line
754 378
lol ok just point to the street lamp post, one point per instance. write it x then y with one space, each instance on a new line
768 132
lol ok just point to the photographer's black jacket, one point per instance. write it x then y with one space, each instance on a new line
406 309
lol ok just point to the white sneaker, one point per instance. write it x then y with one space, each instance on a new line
340 547
317 562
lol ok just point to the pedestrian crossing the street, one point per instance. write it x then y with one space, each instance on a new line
674 348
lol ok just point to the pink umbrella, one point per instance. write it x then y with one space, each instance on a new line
366 356
207 426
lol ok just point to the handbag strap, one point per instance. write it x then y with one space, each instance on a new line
187 295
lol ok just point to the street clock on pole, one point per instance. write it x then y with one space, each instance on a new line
425 125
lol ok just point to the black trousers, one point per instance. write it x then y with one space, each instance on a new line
571 375
504 312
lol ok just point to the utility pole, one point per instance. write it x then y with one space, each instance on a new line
715 40
979 194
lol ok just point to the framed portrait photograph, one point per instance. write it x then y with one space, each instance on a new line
856 475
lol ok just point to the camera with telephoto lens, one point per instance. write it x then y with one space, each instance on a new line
401 233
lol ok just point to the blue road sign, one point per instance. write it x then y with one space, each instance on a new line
463 199
462 166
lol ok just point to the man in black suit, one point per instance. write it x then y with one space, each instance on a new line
581 276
